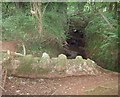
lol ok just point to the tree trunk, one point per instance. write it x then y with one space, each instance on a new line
36 7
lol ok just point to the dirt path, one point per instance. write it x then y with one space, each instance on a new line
103 84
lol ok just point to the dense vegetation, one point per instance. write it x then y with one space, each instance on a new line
43 27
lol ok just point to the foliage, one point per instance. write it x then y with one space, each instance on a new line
18 27
24 27
53 23
104 40
19 24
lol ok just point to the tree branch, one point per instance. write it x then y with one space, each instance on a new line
105 18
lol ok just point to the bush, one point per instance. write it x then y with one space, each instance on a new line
103 44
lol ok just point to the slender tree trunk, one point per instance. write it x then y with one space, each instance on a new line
37 7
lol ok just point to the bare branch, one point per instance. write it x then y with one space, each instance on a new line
24 49
44 9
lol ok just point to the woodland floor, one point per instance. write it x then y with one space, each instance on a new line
103 84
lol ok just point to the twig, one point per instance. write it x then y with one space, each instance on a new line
5 77
54 92
2 88
19 54
14 53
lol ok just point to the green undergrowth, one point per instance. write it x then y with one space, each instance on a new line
32 64
102 40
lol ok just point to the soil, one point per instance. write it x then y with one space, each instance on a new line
103 84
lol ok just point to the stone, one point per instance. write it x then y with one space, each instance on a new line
45 56
62 60
89 67
62 56
61 63
80 67
71 70
91 62
45 60
79 58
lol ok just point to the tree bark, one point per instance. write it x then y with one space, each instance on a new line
37 7
39 13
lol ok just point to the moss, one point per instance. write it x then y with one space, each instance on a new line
79 60
36 59
26 64
62 60
26 68
43 70
7 64
53 61
29 70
